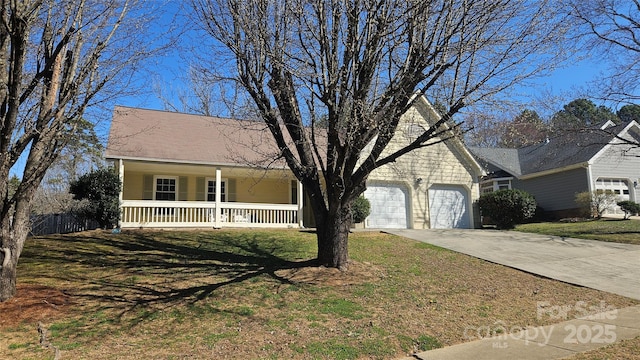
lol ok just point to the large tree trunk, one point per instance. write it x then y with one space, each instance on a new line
14 233
7 275
333 237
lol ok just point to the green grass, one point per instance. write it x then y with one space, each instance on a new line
426 342
339 307
224 294
612 230
18 346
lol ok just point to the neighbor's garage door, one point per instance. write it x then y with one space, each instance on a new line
388 206
449 207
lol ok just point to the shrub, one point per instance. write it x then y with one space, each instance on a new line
595 203
508 207
629 208
360 209
99 191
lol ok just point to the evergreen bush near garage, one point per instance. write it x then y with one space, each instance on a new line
507 208
360 209
629 208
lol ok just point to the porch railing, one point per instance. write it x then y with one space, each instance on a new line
150 214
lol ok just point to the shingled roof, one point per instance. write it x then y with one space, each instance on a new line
569 148
153 135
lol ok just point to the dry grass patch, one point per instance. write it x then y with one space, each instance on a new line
623 350
612 230
253 295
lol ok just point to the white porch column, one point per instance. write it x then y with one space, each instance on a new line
218 196
300 204
121 194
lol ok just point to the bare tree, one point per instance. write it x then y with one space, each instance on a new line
204 93
611 28
60 59
488 130
358 65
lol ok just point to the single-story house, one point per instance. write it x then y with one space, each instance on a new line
181 170
605 157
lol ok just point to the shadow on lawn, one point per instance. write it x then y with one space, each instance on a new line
142 268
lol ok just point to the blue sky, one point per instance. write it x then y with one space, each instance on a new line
168 72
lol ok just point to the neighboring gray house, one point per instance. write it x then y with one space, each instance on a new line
601 158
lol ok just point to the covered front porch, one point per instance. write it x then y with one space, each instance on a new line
175 195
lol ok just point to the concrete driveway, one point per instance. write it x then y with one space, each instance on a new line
599 265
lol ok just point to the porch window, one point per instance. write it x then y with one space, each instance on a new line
211 190
165 188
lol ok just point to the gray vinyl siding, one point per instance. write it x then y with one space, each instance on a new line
517 184
556 191
619 162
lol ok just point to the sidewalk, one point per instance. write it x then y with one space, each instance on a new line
547 342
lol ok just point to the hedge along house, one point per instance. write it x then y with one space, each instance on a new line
181 170
606 157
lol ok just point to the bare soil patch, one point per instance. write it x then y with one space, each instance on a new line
35 303
357 273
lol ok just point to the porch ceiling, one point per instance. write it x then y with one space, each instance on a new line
160 168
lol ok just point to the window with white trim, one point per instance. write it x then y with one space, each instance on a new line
495 185
165 188
211 189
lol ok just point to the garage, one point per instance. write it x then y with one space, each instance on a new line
449 207
619 187
389 206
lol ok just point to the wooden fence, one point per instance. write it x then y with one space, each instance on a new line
59 224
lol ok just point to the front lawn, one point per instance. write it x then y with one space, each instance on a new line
614 230
251 295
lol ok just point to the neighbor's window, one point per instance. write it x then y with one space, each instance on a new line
495 185
503 184
165 188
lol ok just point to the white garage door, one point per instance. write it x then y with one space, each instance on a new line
448 207
388 206
618 187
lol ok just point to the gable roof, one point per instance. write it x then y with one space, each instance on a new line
503 158
162 136
454 141
153 135
568 149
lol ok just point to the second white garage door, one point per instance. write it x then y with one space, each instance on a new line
388 206
448 207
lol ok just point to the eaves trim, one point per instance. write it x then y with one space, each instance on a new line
172 161
582 165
